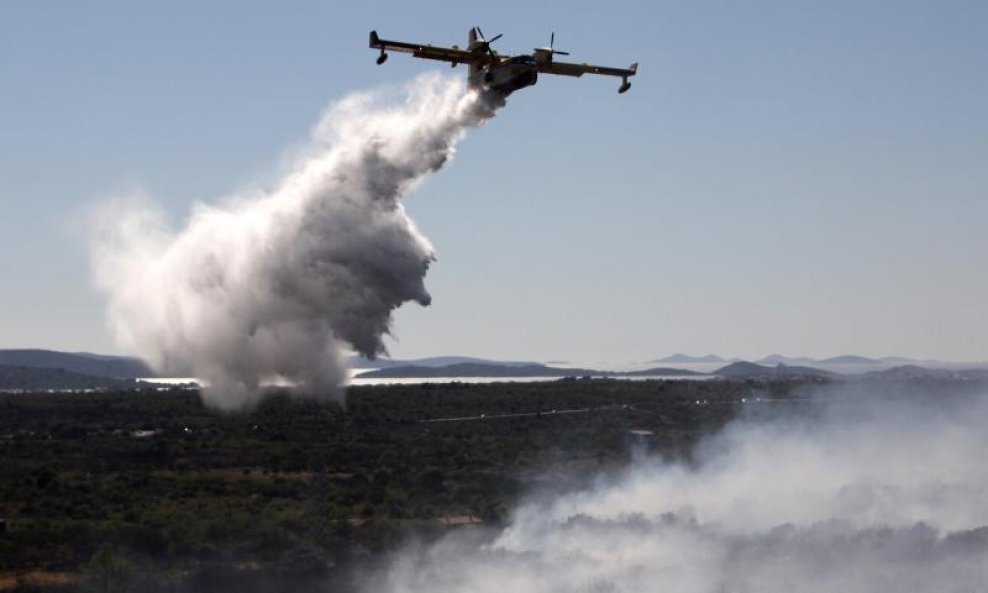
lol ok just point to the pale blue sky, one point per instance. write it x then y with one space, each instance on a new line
784 176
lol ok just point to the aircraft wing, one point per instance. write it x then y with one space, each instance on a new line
568 69
446 54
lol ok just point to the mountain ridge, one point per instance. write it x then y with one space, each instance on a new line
86 363
680 358
477 370
18 378
750 370
361 362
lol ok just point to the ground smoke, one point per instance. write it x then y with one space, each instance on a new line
877 497
275 284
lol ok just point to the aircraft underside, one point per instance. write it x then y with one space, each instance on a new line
504 80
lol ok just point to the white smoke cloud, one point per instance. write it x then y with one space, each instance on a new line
878 496
274 284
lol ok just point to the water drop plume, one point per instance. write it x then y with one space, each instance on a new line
278 284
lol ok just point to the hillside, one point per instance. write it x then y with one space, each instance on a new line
776 359
750 370
361 362
120 367
15 378
476 370
680 358
911 372
849 359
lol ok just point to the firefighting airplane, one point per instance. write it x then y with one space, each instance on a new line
499 73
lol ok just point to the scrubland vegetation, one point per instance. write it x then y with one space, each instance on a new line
152 491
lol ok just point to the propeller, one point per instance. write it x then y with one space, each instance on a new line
486 43
552 41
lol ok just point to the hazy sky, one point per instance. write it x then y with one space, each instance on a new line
798 177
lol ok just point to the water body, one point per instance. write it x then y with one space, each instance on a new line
357 381
419 380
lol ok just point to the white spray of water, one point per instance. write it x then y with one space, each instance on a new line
275 284
876 497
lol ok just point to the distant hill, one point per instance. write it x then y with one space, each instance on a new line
474 370
680 358
849 359
360 362
774 359
659 372
750 370
744 370
16 378
120 367
911 372
467 369
836 361
902 360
